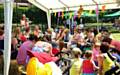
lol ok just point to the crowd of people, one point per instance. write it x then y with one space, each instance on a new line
93 52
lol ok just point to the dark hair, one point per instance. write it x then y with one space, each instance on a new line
1 32
104 47
33 37
107 39
27 29
88 54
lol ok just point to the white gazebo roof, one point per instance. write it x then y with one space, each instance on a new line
60 5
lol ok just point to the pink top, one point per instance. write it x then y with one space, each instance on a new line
88 66
116 44
95 54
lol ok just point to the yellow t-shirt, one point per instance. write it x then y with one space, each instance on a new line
76 64
107 63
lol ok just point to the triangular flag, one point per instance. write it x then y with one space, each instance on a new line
90 12
66 14
70 14
103 8
62 15
58 14
97 11
55 14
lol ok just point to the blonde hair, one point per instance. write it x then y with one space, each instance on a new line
66 30
76 51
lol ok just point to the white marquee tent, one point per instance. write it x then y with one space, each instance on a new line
48 6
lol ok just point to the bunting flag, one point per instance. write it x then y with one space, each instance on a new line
58 14
66 14
103 8
55 14
90 12
75 17
97 10
70 14
80 11
62 14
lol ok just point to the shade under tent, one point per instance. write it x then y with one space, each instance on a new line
48 6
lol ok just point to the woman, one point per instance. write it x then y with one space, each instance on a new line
104 61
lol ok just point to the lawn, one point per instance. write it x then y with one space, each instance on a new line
116 36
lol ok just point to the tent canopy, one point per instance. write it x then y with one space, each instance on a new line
60 5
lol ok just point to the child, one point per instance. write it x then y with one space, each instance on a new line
96 51
77 62
88 66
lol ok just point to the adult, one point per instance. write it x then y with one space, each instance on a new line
1 41
37 32
24 22
27 45
113 43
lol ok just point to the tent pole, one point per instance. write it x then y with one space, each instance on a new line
8 10
49 19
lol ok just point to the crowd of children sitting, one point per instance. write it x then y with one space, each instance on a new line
92 52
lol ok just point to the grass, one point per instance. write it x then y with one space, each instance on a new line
116 36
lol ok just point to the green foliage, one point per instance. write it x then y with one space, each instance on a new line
33 13
1 14
36 15
114 30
